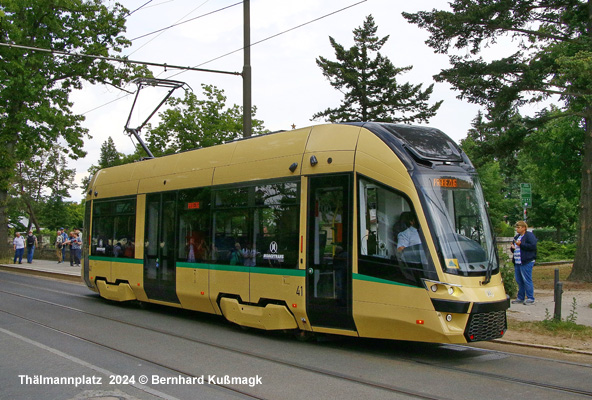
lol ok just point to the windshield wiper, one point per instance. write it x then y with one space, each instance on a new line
490 263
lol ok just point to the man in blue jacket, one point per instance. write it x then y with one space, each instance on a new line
524 248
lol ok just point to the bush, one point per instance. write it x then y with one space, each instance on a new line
510 285
504 230
551 234
552 251
507 271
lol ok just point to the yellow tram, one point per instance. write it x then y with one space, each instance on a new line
360 229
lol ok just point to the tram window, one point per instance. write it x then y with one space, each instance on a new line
392 245
113 228
259 227
195 240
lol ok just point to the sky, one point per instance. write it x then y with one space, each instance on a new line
287 85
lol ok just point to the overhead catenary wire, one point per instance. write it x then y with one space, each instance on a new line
124 60
184 22
163 31
139 8
195 68
276 35
252 44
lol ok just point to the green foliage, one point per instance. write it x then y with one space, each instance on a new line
550 56
510 285
552 251
573 315
35 110
568 324
502 229
109 157
553 235
192 123
40 181
507 271
370 87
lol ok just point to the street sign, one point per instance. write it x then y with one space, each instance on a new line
525 195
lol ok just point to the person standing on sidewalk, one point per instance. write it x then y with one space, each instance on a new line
524 249
59 246
31 244
19 247
75 249
64 240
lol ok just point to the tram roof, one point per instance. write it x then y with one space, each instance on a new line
414 145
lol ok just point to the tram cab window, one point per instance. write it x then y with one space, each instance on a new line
392 244
113 228
257 225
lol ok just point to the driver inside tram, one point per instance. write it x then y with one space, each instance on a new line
410 236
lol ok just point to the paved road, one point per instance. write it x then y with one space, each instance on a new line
56 329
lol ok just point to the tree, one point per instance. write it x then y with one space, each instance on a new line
370 87
492 174
39 181
109 157
549 158
192 123
551 161
35 86
553 39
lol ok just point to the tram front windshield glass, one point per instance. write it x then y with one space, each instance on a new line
463 232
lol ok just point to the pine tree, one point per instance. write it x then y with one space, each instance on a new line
369 84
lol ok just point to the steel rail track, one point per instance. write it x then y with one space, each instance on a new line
325 372
320 371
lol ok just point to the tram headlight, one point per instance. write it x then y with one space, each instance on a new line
434 288
448 317
450 290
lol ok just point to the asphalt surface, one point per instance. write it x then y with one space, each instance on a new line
543 308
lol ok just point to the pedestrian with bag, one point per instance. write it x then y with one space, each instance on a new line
59 246
31 244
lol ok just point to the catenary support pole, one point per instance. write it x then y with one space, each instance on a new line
247 123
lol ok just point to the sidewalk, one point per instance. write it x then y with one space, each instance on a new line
46 268
544 306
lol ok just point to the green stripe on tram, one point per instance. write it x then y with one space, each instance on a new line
242 268
367 278
117 259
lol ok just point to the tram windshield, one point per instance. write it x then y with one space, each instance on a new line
462 229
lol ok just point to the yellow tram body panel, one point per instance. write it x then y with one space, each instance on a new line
228 280
193 288
270 317
119 292
286 285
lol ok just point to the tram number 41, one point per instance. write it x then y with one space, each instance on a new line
299 290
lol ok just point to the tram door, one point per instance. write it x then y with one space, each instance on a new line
329 267
160 280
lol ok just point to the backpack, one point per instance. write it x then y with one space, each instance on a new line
30 240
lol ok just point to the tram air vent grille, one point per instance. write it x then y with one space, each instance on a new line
486 326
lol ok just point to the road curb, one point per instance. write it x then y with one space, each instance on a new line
72 277
542 346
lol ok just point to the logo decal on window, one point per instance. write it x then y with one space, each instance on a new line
272 255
